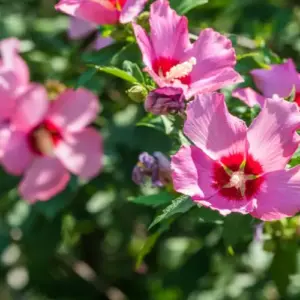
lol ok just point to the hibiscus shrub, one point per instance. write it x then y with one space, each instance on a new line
149 149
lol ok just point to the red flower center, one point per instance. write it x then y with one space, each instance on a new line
44 137
118 4
297 98
237 178
163 65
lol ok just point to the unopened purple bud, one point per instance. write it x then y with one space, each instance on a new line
163 101
138 175
146 160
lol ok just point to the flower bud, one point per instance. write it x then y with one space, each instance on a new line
54 88
163 101
156 166
137 93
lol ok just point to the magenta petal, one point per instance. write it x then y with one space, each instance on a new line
280 195
74 109
17 155
169 31
131 10
82 153
98 12
44 179
31 108
272 137
79 29
249 96
279 80
212 128
144 44
192 172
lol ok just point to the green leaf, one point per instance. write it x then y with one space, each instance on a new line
153 200
180 205
237 228
284 264
85 77
147 247
207 215
183 6
134 70
104 56
118 73
150 243
160 123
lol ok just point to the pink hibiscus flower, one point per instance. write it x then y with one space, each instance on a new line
80 29
233 168
171 59
279 79
50 139
14 71
102 12
14 81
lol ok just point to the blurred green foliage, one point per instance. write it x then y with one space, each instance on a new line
84 244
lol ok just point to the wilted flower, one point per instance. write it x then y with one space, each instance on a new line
233 168
156 166
204 66
103 11
80 29
163 101
279 79
53 139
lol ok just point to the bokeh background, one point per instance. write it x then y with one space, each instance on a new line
84 243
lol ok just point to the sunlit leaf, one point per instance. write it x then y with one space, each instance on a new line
153 200
180 205
183 6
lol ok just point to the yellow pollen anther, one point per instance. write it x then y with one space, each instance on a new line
118 6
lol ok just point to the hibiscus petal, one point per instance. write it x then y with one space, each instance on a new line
31 108
82 153
5 134
7 103
272 138
249 96
79 29
98 12
74 109
44 179
215 62
212 128
192 172
131 9
225 206
280 195
144 44
16 156
279 80
169 31
11 61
